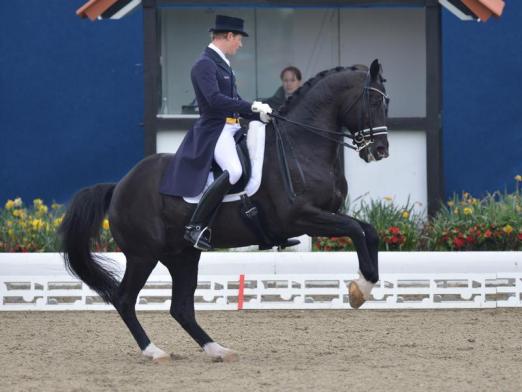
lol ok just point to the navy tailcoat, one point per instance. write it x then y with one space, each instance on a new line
217 97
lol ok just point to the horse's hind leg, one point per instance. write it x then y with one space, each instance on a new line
184 271
137 272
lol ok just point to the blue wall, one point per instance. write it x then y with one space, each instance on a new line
71 99
482 103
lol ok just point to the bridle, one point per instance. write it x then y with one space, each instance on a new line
360 139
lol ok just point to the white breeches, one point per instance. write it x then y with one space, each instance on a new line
225 153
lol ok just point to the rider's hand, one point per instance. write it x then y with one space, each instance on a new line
263 109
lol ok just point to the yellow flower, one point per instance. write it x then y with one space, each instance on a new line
468 211
507 229
9 204
42 209
37 203
451 203
475 201
518 178
405 214
105 224
57 222
456 211
37 224
18 202
55 206
10 232
388 198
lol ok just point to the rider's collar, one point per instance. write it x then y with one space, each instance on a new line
218 51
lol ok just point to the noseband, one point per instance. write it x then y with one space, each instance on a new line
361 139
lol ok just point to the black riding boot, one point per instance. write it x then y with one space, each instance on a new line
197 231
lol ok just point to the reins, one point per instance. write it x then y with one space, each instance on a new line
360 138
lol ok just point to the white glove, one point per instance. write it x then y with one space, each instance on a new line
263 109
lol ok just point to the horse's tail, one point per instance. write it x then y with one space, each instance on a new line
80 226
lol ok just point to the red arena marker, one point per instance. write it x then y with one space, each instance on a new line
240 294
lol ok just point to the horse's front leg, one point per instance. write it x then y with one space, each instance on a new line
317 222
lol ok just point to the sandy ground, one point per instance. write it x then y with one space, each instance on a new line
460 350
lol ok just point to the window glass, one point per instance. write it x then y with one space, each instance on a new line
396 36
305 38
311 39
184 36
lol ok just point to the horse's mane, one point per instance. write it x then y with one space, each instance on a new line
294 99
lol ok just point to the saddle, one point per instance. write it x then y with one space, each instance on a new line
249 211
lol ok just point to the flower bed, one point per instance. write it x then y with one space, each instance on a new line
464 223
33 228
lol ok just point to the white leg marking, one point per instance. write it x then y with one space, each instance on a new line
220 353
153 352
365 286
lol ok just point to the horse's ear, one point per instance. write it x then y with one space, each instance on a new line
375 69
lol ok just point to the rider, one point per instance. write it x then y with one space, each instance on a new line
212 136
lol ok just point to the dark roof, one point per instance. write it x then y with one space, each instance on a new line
464 9
474 9
107 9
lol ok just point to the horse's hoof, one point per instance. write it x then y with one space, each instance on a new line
356 295
162 359
230 356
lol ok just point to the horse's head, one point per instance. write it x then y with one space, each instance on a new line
365 112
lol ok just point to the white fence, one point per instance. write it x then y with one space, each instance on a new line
268 280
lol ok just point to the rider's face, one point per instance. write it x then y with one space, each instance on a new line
234 42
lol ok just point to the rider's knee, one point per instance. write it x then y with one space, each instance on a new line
234 173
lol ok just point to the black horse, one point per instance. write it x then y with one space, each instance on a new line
149 227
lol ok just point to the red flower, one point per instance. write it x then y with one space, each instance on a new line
520 236
488 233
458 243
394 230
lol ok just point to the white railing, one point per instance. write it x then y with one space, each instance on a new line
268 280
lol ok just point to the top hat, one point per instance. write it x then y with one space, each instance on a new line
229 23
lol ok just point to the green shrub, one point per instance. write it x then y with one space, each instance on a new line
464 223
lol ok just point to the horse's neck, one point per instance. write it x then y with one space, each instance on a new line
319 113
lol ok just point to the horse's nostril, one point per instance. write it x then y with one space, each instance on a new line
381 151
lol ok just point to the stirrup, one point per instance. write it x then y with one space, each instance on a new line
280 245
195 234
288 242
